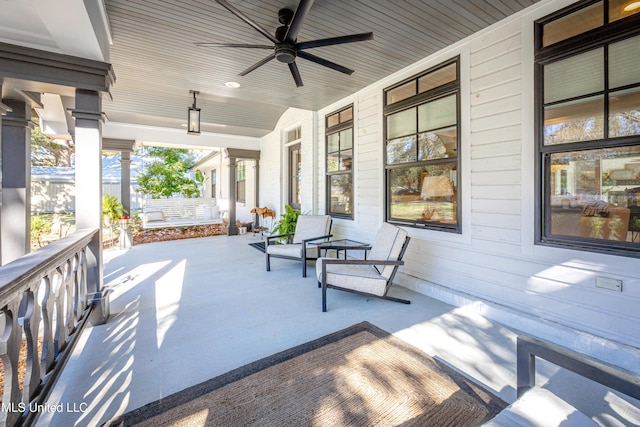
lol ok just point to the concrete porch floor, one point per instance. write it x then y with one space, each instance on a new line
185 311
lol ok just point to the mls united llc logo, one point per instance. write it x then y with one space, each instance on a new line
34 407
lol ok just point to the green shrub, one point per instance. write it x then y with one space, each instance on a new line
40 227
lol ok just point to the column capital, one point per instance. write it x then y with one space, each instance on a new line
17 122
4 109
88 115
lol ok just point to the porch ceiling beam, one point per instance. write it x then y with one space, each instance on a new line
242 154
113 144
25 63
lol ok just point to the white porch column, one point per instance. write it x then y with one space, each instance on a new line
88 142
4 109
15 229
125 180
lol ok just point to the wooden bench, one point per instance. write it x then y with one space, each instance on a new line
159 213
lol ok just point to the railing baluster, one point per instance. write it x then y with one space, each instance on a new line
48 348
10 352
30 325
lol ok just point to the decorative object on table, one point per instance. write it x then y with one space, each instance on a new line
298 245
261 215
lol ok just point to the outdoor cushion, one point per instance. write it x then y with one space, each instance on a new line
539 407
152 216
290 250
361 278
387 246
310 226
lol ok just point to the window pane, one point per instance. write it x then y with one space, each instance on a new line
595 194
346 115
624 62
624 113
424 194
437 114
575 121
333 162
437 145
346 159
333 120
617 9
402 123
340 190
333 143
437 78
575 76
401 150
405 91
346 139
577 23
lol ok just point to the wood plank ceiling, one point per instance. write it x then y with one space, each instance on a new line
156 61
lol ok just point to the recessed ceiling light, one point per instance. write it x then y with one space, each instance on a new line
232 84
632 6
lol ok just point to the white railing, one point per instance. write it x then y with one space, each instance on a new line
44 305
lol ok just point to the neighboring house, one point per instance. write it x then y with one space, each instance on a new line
53 188
215 167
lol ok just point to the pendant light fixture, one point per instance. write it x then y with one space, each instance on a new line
193 120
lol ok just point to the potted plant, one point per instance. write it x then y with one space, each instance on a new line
287 222
112 209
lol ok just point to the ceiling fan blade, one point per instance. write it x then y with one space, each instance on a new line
257 64
246 19
325 62
248 46
296 74
296 24
335 40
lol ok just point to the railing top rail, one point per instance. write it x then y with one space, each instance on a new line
19 273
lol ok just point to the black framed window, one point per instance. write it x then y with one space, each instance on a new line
339 162
295 176
214 182
241 181
422 145
588 127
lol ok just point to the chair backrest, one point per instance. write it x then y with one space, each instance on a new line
388 246
309 226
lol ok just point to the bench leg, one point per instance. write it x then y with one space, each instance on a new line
268 263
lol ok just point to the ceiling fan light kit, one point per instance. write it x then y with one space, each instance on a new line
285 45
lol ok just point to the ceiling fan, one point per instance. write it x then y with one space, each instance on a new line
285 44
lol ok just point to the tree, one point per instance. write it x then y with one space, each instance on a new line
47 152
167 174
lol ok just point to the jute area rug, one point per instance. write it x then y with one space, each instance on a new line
360 376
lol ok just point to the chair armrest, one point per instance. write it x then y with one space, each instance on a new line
326 261
328 236
278 236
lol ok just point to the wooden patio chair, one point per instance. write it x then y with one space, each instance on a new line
299 247
371 277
